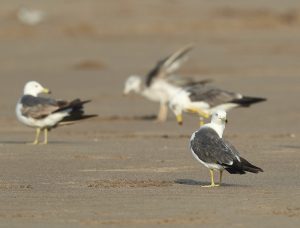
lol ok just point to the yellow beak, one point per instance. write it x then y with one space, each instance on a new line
179 119
45 90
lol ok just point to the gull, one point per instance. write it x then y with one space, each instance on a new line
46 113
210 149
160 84
205 99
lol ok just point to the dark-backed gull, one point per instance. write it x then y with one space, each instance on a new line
215 153
205 99
160 84
46 113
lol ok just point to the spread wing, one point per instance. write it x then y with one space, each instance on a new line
40 107
168 65
212 96
210 148
186 81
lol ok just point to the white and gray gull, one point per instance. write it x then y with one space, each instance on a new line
206 99
210 149
160 84
45 113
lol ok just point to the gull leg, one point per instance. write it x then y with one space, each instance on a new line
163 113
37 135
201 121
221 173
211 171
202 115
45 136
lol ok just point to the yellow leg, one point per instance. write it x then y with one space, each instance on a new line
37 135
45 136
201 121
221 174
203 114
211 171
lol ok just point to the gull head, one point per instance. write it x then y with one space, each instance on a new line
219 117
177 110
132 84
34 88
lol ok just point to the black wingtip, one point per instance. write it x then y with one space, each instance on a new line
89 116
77 116
260 170
79 102
253 170
247 166
248 101
242 166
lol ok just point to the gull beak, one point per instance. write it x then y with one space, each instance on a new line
226 121
47 91
179 119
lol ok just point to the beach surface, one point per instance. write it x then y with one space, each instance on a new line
122 169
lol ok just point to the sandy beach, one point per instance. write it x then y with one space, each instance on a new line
122 169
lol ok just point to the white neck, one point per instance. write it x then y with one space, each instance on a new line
219 128
32 93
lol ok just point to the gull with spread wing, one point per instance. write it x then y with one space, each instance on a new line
160 84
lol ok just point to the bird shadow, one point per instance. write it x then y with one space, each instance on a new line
190 182
290 146
128 118
145 117
10 142
202 183
13 142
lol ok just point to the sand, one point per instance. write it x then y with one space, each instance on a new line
122 169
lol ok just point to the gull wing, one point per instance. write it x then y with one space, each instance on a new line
186 81
211 95
210 148
40 107
168 65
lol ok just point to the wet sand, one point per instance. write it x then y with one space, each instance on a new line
122 168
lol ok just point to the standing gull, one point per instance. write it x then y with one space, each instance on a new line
160 84
46 113
215 153
205 99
